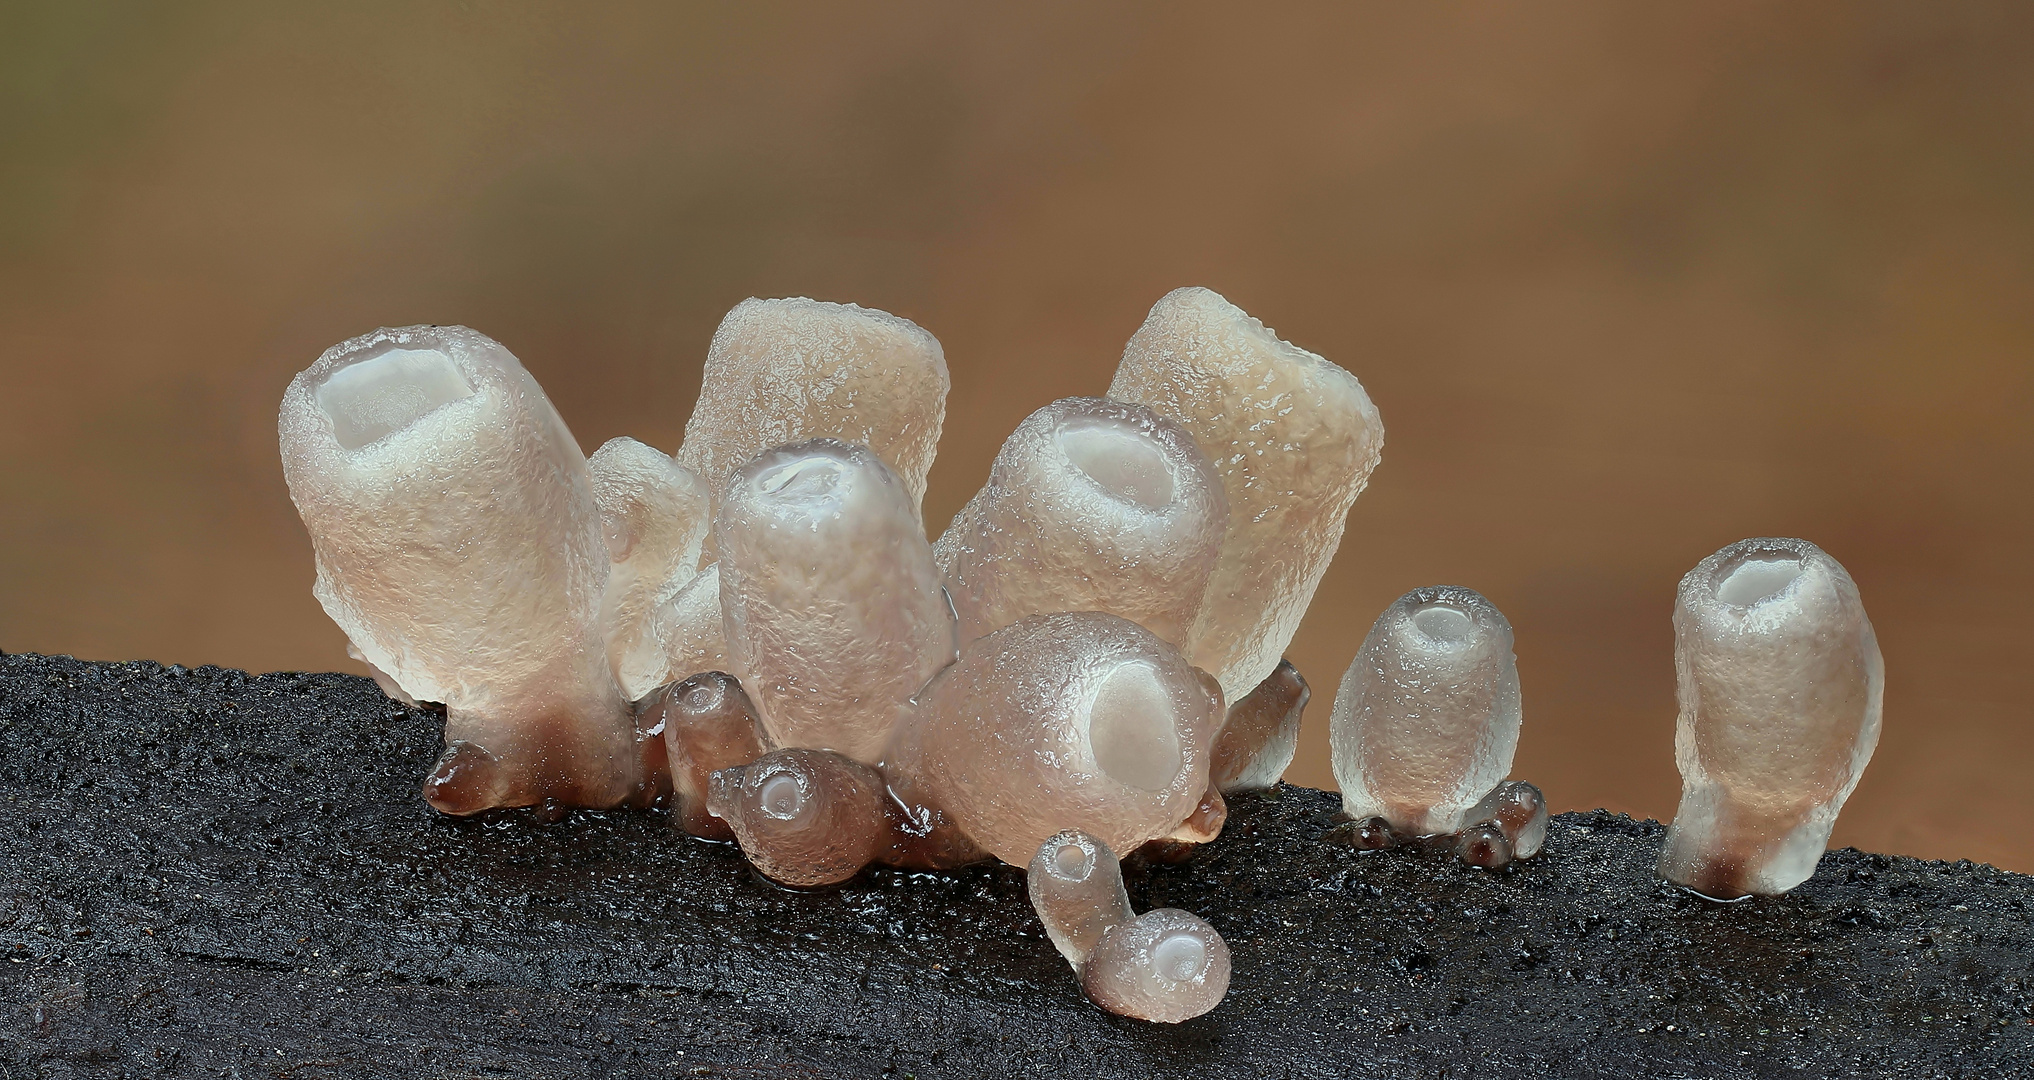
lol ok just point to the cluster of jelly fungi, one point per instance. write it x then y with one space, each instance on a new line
755 634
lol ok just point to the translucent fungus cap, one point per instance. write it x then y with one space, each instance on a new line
1427 717
1166 965
1091 505
1780 685
1261 733
804 818
1294 439
1076 886
791 370
831 606
1081 720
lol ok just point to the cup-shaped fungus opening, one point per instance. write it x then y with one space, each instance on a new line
706 693
1443 623
1133 730
805 818
1166 965
1076 887
1757 576
375 397
781 795
1073 859
1180 956
1124 462
807 484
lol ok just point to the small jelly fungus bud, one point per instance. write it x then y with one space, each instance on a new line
1092 505
1076 887
833 612
1202 826
706 724
1294 438
1261 733
1483 845
1519 811
1369 834
1781 687
1166 965
805 818
1427 717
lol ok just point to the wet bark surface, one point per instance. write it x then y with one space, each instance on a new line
206 873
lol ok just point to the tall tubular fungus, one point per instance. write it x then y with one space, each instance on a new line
1294 438
1075 720
459 547
1091 505
1780 682
833 611
1427 717
787 371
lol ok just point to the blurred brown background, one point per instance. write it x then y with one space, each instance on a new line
1628 283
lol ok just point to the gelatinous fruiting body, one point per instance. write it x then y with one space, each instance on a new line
690 627
1076 886
788 371
654 513
1780 685
1202 826
1427 717
1294 438
1261 734
704 724
832 609
1091 505
1166 965
459 547
1074 720
1509 823
805 818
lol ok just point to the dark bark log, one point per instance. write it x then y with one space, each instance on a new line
205 873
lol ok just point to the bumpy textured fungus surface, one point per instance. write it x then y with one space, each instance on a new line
1261 733
1076 720
1076 886
1166 965
804 818
207 873
833 611
1780 687
1295 439
1091 505
788 371
1427 717
691 626
704 724
655 515
435 477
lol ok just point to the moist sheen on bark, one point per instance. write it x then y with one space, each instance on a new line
208 873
